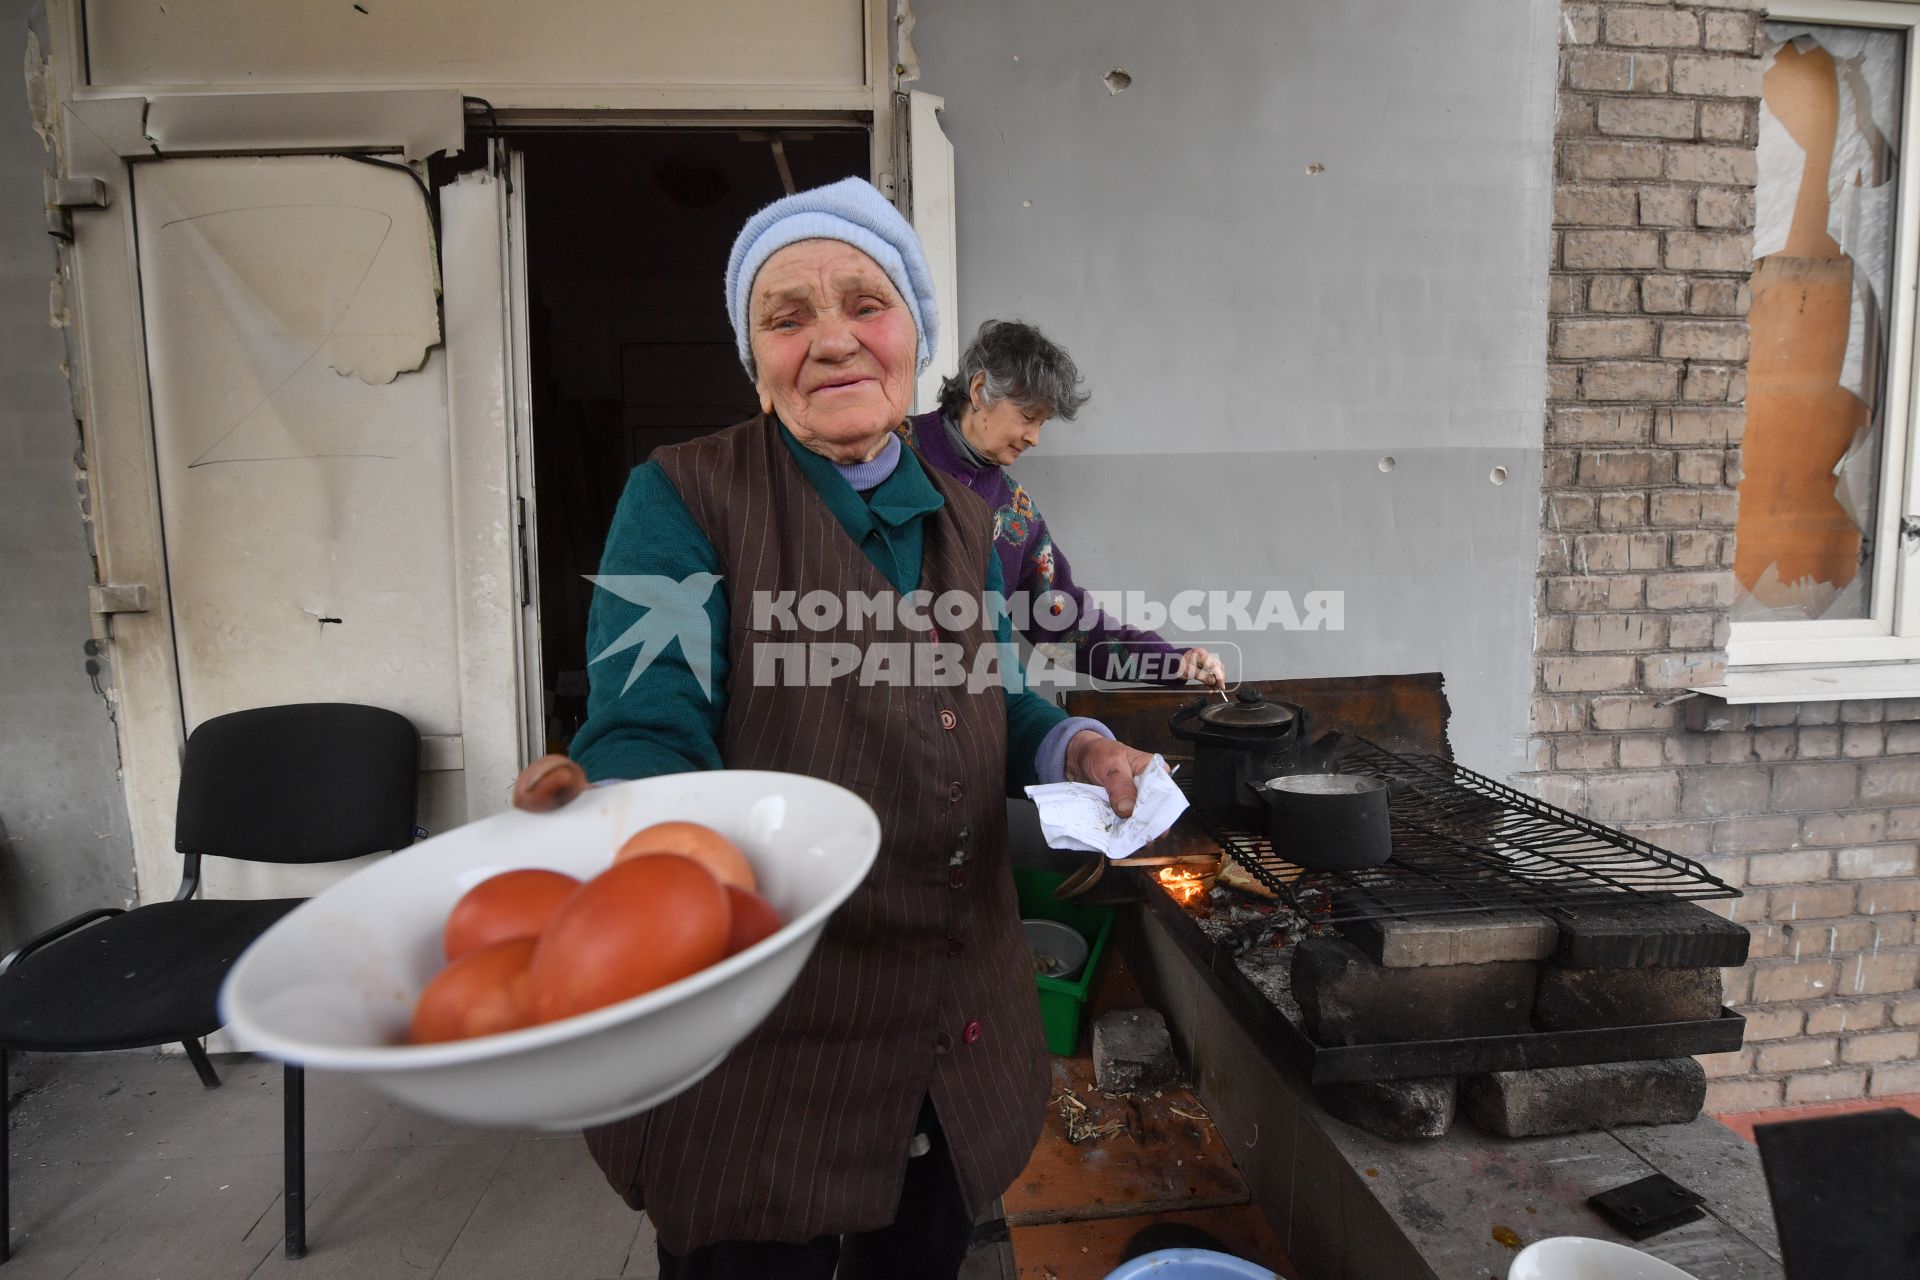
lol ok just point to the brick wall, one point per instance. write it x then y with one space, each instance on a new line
1814 809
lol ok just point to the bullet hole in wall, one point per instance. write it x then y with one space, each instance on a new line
1117 80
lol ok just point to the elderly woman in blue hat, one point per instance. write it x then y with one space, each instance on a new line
899 1087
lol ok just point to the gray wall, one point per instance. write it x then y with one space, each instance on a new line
1258 337
64 843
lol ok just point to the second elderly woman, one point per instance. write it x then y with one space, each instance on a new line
1011 380
898 1088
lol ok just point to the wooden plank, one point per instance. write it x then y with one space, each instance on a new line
1089 1250
1401 713
1166 1156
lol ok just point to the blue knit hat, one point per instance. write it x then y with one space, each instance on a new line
851 211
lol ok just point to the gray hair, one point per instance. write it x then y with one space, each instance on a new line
1018 362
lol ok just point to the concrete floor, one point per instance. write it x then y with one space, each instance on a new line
124 1166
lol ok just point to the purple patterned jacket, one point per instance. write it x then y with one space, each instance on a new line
1031 562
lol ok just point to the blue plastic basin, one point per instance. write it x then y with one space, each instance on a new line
1189 1264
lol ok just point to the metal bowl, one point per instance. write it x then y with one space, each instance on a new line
1051 938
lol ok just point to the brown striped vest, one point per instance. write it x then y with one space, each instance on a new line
922 984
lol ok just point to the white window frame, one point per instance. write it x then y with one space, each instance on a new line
1892 634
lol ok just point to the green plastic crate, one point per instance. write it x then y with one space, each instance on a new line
1063 1003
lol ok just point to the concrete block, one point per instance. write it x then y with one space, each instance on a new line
1132 1052
1398 1109
1550 1100
1648 934
1470 937
1579 999
1346 998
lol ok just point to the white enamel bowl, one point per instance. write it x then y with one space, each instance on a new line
1579 1258
332 985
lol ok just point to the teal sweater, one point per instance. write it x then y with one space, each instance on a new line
663 722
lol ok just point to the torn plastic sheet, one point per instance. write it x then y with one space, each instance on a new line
1860 190
1861 220
1772 600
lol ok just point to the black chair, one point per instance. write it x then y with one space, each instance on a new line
316 782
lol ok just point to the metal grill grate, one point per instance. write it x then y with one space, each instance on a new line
1463 842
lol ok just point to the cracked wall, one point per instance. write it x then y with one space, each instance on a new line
1274 273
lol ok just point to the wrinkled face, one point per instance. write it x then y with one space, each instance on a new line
833 346
1006 429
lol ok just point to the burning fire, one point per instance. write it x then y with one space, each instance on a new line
1183 884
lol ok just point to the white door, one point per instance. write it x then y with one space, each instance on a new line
497 558
338 525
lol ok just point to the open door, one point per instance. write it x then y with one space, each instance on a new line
290 509
929 169
495 556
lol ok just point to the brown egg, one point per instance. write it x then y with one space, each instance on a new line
753 919
691 840
482 993
636 926
513 904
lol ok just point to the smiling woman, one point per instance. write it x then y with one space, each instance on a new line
833 348
897 1089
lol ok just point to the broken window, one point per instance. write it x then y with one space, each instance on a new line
1824 238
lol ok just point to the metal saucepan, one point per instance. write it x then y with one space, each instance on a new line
1237 744
1328 821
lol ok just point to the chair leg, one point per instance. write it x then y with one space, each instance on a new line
294 1091
6 1170
197 1052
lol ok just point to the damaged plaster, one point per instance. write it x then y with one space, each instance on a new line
63 817
906 60
338 273
40 94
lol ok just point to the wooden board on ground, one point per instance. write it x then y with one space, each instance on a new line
1088 1250
1165 1155
1159 1153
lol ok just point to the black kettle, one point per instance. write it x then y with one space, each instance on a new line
1238 744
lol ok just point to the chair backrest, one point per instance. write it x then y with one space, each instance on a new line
313 782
